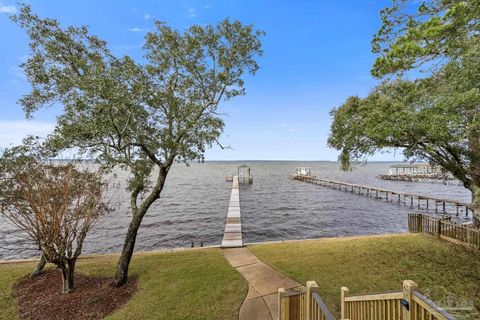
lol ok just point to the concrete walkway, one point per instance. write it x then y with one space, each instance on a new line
261 302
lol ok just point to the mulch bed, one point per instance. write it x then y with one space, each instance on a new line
93 298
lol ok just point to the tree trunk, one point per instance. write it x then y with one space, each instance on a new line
474 146
68 276
121 275
40 266
475 205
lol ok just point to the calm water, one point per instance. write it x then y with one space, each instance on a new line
194 205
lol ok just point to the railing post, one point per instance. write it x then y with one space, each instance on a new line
343 294
311 287
439 228
478 238
282 312
408 287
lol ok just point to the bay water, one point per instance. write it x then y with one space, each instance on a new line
193 207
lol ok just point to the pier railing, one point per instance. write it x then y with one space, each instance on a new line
422 202
407 304
419 178
444 229
305 304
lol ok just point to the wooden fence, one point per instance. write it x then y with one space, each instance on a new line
444 229
408 304
302 305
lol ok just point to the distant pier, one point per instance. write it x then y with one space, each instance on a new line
420 201
419 178
232 236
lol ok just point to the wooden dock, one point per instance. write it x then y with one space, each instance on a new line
232 236
419 178
422 202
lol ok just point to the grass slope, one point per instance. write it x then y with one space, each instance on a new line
376 264
192 284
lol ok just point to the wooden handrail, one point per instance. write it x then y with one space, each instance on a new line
294 293
408 304
323 307
303 304
376 296
431 307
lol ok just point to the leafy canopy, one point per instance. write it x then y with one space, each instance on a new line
432 118
421 34
137 115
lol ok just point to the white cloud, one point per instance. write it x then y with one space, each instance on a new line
192 13
136 29
13 131
206 6
7 9
146 16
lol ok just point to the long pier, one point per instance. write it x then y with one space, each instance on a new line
420 201
232 236
419 178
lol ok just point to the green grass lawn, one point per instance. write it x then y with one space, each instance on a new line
376 264
200 284
192 284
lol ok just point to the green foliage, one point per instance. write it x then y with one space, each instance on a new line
141 116
137 115
433 118
413 35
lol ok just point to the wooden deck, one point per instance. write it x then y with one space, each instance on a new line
232 236
420 201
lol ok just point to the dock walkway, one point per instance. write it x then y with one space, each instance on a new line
232 236
261 302
421 201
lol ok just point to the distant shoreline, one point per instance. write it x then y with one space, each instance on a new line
193 161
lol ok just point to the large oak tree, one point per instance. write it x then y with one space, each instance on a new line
435 117
139 115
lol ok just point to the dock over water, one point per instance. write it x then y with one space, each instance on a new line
420 201
232 236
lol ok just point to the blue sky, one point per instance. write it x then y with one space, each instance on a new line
316 54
